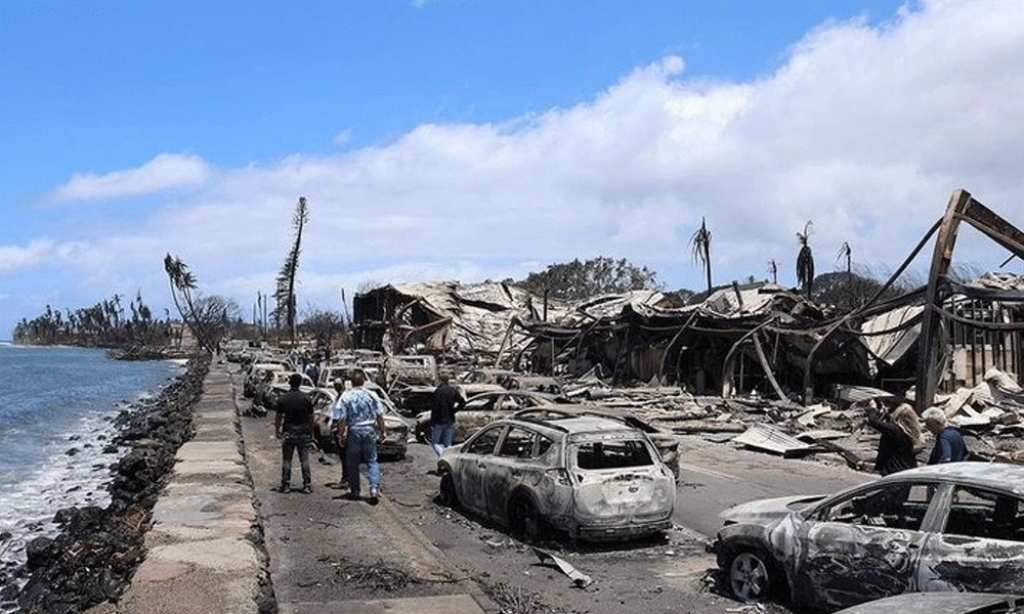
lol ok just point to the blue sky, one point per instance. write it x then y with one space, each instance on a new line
484 139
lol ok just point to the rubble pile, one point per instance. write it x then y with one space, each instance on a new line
989 416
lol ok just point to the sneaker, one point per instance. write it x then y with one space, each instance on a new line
284 488
351 496
307 489
374 494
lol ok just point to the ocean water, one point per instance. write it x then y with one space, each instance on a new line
57 406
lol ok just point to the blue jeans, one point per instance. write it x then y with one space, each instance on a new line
295 439
361 447
441 436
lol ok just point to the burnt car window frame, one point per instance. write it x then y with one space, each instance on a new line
481 434
939 494
651 453
983 527
532 446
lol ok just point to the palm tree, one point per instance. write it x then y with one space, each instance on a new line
844 252
286 278
805 261
700 248
183 282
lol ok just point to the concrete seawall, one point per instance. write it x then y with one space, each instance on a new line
204 550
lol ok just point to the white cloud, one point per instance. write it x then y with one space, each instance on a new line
165 171
865 130
13 257
343 137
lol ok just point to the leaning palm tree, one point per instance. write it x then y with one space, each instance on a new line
844 253
700 248
183 282
805 261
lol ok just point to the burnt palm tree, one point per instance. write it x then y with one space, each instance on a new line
844 253
700 248
805 261
286 277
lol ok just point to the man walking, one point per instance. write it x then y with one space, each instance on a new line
337 410
950 446
293 424
361 424
445 402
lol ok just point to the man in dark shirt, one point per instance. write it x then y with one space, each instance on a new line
445 402
294 424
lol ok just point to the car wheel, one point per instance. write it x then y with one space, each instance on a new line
448 498
524 519
750 576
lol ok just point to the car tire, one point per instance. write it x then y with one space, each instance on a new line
447 495
525 522
750 576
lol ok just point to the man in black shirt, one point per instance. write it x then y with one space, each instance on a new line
294 426
445 402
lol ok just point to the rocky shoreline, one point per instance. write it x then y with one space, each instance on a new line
96 553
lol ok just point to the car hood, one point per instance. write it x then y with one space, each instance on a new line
767 511
933 603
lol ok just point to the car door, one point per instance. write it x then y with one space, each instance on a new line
511 462
864 546
980 545
475 458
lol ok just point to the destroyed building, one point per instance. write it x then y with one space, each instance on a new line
759 338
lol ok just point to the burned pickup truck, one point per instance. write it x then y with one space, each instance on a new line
950 527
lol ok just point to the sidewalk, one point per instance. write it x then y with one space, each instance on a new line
329 555
201 556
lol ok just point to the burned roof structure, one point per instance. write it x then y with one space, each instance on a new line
466 321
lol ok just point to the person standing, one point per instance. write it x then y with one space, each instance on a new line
445 402
361 425
900 436
294 425
950 446
337 410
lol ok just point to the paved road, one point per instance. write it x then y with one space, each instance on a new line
714 476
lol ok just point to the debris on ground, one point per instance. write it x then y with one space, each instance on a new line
579 579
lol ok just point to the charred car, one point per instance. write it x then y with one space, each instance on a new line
950 527
588 477
482 408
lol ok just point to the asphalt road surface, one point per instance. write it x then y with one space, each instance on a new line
715 476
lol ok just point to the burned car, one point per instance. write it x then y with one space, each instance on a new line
480 409
589 477
949 527
394 447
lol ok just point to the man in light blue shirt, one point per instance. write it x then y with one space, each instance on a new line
360 425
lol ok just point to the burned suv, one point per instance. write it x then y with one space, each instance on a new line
590 477
950 527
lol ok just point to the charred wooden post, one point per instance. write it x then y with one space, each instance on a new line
961 207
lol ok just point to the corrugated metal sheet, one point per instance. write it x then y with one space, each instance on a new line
766 438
